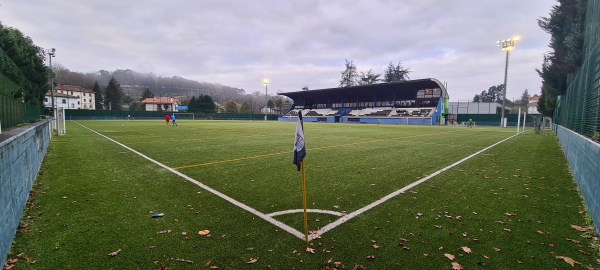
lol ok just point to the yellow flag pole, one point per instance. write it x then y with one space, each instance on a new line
304 201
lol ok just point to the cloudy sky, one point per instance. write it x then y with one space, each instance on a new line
293 43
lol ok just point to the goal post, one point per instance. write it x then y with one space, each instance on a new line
184 116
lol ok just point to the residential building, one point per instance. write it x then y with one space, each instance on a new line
166 104
532 106
71 97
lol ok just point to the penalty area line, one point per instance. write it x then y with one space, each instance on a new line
354 214
257 213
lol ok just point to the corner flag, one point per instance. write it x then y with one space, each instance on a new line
299 149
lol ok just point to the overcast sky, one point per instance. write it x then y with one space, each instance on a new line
293 43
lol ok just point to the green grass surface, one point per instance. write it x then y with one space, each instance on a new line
512 205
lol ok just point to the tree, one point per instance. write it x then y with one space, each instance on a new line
246 107
147 94
395 73
231 107
23 63
113 95
369 78
524 100
566 25
99 99
349 75
493 94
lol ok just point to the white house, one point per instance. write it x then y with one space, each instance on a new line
532 106
61 101
74 97
165 103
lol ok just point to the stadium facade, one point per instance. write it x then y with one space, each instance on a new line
414 102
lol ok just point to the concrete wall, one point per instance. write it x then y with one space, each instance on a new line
583 155
21 157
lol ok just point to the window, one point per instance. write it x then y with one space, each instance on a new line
45 99
78 103
64 101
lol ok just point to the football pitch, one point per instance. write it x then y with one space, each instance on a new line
379 197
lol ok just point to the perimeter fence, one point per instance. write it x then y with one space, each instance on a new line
579 108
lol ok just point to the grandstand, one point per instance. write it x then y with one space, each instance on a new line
415 102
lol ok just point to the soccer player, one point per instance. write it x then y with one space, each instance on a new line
167 118
173 120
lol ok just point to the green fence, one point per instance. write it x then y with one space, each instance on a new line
494 119
145 115
14 112
579 108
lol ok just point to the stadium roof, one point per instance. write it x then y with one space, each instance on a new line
403 90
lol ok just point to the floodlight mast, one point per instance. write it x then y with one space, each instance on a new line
52 53
506 45
266 83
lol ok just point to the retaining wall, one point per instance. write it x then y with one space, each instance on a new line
583 155
21 157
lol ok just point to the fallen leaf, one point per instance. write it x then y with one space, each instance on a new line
184 233
579 228
496 249
114 253
507 230
214 267
310 250
371 257
456 266
252 260
466 250
568 260
500 222
207 264
337 264
375 246
449 256
183 260
204 232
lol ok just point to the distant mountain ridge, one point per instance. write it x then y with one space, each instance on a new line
134 83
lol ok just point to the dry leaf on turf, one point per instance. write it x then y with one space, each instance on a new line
310 250
337 264
204 232
207 264
568 260
579 228
375 246
466 250
252 260
456 266
114 253
371 257
449 256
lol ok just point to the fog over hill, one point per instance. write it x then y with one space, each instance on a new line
134 83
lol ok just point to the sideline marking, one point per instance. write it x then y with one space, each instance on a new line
352 215
269 219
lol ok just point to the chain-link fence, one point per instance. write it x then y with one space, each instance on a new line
579 108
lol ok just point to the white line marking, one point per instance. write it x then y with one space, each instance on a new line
207 188
285 227
293 211
345 218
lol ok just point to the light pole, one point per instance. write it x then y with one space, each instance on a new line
266 82
52 53
506 45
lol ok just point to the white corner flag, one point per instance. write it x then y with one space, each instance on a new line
299 148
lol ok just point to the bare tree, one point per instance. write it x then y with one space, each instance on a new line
349 75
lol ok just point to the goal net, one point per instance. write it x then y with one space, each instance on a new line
58 122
